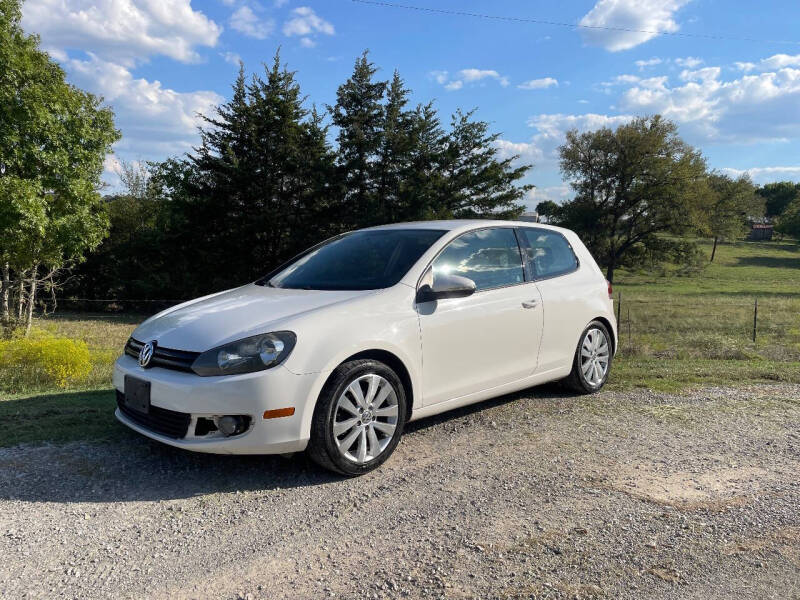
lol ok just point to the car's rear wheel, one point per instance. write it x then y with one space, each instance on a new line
358 419
592 362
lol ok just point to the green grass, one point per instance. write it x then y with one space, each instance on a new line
683 331
678 331
59 418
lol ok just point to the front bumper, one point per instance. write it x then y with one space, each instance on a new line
205 397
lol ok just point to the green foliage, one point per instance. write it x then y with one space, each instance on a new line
789 221
547 208
53 139
631 185
266 183
729 204
399 164
778 196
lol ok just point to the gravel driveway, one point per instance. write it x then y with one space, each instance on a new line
534 495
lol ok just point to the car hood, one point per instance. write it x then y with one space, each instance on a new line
204 323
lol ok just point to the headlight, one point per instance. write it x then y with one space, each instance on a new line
246 356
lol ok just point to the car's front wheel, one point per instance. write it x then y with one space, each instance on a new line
358 419
592 361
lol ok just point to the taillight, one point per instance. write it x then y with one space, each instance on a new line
610 290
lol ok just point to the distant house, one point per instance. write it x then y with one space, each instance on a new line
530 217
760 231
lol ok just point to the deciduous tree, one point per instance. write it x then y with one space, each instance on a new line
631 185
729 204
53 140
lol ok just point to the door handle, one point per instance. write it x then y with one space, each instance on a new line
530 304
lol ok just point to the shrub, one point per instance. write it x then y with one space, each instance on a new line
44 359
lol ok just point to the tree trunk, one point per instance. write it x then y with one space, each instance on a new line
34 282
6 293
21 296
714 249
610 272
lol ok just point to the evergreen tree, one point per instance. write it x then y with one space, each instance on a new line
477 184
258 179
394 160
359 116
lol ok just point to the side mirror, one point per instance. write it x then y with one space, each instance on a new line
446 286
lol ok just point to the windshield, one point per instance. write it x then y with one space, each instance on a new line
362 260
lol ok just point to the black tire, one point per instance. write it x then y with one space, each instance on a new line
577 381
322 447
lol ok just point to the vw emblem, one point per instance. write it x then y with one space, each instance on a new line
146 353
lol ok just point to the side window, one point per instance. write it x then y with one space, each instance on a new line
489 257
549 253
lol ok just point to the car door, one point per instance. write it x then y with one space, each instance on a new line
562 286
489 338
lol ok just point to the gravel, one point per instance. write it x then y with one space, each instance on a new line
534 495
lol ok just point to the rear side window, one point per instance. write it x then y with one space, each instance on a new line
549 253
489 257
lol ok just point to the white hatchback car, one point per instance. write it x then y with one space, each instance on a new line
339 348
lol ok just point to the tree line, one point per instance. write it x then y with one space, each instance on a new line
274 174
641 197
272 177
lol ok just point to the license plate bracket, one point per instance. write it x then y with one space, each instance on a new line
137 394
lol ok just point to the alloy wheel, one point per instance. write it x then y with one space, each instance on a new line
365 418
595 354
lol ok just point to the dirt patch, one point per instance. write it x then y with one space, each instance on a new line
714 488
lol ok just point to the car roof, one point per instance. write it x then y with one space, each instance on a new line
462 225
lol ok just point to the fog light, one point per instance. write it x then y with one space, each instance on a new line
231 425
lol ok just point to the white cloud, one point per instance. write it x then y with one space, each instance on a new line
623 24
539 84
745 66
527 152
306 23
439 77
550 131
556 193
642 64
121 30
690 62
155 121
467 76
471 75
231 57
751 108
245 21
762 175
778 61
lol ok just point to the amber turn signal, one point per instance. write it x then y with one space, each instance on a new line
279 412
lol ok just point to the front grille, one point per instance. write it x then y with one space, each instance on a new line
166 422
178 360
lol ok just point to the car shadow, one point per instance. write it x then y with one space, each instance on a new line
111 463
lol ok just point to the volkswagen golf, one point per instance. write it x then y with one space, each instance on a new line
336 350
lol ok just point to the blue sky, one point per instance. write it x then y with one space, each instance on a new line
735 95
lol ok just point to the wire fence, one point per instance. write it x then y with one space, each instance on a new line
755 322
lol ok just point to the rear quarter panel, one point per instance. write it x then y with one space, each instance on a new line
570 302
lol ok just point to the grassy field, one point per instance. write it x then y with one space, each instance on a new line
676 331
